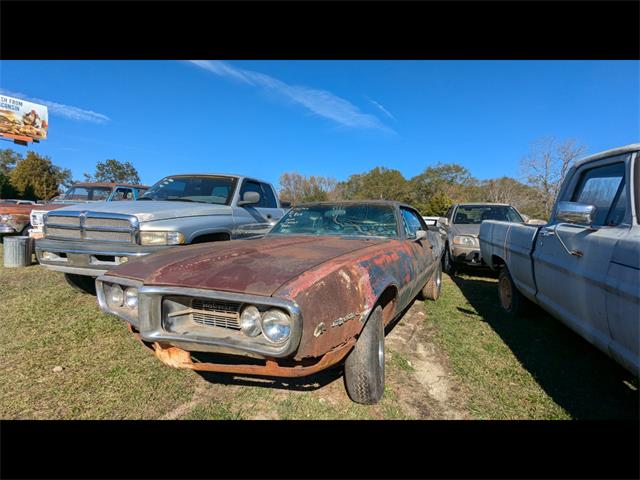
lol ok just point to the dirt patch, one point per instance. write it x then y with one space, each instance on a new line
426 387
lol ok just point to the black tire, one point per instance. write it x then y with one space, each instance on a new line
81 283
510 298
431 291
364 367
448 265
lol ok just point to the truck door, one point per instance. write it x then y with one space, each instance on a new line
573 286
254 220
623 278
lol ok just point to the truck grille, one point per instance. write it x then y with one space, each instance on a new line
103 227
216 313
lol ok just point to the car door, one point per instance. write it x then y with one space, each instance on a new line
573 286
253 220
421 250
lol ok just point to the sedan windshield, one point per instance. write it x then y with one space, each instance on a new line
201 189
339 219
475 214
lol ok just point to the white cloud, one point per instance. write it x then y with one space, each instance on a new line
67 111
320 102
381 108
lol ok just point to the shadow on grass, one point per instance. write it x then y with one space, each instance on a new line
575 374
309 383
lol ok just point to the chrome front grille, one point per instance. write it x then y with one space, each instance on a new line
215 313
103 227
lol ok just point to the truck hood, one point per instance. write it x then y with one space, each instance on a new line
258 266
150 210
465 229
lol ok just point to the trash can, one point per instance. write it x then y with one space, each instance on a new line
18 251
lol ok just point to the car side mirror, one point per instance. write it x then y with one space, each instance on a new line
249 198
420 234
574 212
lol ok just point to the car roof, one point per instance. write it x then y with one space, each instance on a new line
391 203
108 184
632 147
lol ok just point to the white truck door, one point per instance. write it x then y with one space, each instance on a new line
573 286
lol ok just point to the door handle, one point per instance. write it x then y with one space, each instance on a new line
547 233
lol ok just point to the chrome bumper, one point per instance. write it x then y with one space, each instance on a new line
4 228
148 320
87 258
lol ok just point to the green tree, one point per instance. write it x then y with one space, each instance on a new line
377 184
437 187
296 188
36 177
112 170
8 160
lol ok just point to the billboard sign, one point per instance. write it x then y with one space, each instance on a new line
22 120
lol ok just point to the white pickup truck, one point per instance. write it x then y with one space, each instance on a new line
583 266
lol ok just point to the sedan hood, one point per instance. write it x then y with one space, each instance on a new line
150 210
258 266
465 229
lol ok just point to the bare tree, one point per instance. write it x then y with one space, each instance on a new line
546 165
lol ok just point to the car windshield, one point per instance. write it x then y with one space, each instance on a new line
474 215
339 219
201 189
87 194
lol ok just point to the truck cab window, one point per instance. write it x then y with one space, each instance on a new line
601 186
123 194
250 186
269 197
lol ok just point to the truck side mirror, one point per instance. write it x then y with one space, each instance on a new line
574 212
443 221
249 198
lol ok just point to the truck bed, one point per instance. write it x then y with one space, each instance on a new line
511 244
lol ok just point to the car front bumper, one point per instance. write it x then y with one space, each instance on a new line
467 255
5 228
88 258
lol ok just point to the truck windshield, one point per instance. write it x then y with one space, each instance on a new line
475 214
339 219
87 194
201 189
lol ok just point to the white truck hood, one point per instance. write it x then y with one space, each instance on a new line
150 210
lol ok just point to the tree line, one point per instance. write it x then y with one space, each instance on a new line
439 186
36 177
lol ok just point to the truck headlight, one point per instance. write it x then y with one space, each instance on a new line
465 240
276 325
5 218
131 298
250 321
161 238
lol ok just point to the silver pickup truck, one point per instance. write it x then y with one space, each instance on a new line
85 241
583 267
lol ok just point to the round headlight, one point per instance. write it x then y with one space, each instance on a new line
116 296
276 325
250 321
131 297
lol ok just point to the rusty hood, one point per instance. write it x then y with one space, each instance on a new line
256 267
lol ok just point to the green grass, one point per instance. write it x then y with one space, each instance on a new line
526 368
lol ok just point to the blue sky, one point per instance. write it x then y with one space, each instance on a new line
331 118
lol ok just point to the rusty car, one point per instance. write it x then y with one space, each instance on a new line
318 289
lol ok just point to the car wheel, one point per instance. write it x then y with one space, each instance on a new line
511 300
364 367
448 265
81 283
432 289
